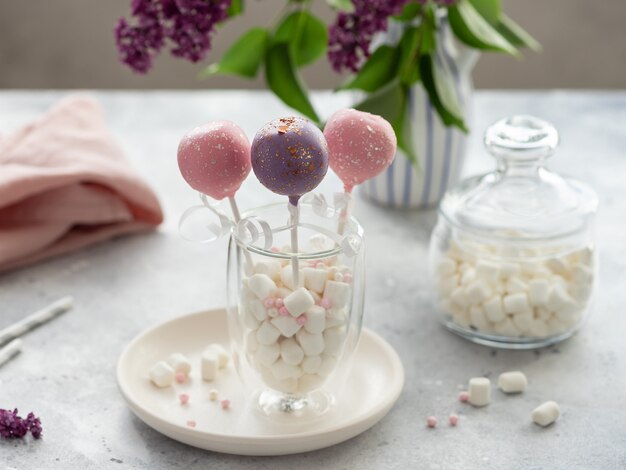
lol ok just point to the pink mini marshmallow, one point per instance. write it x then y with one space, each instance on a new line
180 377
464 396
268 302
326 303
301 320
183 398
454 419
283 312
278 303
275 249
431 421
225 404
191 423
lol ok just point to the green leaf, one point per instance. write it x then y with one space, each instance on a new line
446 91
390 102
472 29
409 55
490 10
516 35
449 119
281 77
235 8
341 5
244 56
409 11
305 34
379 70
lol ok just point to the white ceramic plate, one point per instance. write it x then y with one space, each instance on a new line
372 387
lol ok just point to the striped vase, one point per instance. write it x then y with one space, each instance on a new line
440 150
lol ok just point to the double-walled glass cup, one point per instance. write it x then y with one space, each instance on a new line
294 317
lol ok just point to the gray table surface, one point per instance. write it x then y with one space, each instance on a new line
67 370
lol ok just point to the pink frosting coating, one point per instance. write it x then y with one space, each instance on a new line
361 145
215 158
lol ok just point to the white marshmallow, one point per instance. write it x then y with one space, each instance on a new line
494 309
311 344
478 320
542 272
335 318
270 267
333 339
281 370
286 277
282 292
487 271
179 363
558 266
162 374
298 302
249 320
289 385
309 382
477 292
506 328
546 413
542 313
337 292
315 279
538 292
446 266
327 366
267 333
448 284
523 321
268 354
319 242
539 328
258 310
222 354
580 292
508 270
479 391
512 382
468 276
209 365
311 364
458 297
514 303
515 285
291 352
261 285
287 325
560 299
555 326
251 342
316 319
461 317
213 394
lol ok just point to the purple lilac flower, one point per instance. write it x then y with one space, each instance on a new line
351 35
13 427
187 24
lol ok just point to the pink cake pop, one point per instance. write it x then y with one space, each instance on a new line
215 158
360 146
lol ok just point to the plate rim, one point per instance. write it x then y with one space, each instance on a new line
379 410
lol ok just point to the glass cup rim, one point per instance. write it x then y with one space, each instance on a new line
284 255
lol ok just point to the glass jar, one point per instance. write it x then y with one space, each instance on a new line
513 255
291 336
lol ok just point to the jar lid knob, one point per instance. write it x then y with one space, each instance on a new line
521 139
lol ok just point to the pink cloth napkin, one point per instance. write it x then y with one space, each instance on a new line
65 184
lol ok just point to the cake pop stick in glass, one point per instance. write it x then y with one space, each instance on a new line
290 157
360 146
214 159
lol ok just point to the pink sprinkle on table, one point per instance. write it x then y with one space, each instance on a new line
180 377
225 404
191 423
431 421
464 396
183 398
454 419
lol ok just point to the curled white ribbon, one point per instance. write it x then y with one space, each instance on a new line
341 203
217 230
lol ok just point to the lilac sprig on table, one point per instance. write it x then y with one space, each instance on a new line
188 25
13 426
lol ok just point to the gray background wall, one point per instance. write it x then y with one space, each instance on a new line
69 44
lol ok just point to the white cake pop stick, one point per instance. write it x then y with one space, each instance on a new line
237 216
294 219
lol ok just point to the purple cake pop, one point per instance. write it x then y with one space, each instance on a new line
290 157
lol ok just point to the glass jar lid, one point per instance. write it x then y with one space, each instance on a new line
521 198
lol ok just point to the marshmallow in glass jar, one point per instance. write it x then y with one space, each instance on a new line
512 256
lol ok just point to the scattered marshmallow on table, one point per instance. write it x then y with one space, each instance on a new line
209 365
512 382
546 413
162 374
479 391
